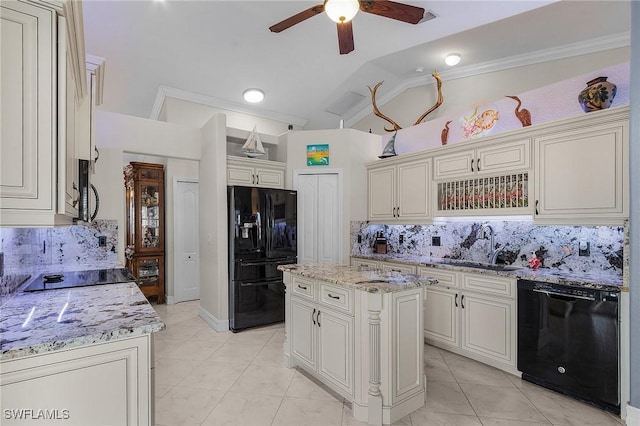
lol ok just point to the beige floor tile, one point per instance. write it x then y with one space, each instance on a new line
170 372
427 418
162 346
272 355
161 390
466 370
446 397
214 376
210 335
304 386
308 412
236 353
562 410
436 369
431 352
193 350
244 409
501 402
182 331
349 420
278 337
186 406
264 380
253 336
488 421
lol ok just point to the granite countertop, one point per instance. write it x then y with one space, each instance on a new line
372 281
570 278
44 321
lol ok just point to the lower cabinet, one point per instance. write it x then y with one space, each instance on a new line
473 315
107 383
367 347
149 273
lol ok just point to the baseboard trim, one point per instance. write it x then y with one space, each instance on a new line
215 323
633 416
171 300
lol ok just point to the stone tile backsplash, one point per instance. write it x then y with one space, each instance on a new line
63 248
556 246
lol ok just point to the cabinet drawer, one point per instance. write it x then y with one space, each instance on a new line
364 263
303 287
487 284
397 267
445 278
339 298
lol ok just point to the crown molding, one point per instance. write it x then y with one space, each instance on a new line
561 52
184 95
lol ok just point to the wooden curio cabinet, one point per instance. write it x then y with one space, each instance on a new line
144 183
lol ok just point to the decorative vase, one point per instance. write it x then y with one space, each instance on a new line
598 94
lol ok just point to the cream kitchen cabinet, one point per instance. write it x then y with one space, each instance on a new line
255 172
42 47
321 338
473 315
364 263
399 190
501 155
582 171
397 267
108 383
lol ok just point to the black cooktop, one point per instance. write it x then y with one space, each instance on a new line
53 281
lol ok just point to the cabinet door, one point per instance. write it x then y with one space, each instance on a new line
454 165
240 175
413 190
27 173
335 349
503 157
381 189
441 316
488 326
149 273
582 173
269 178
303 333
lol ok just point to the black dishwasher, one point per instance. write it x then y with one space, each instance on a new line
568 341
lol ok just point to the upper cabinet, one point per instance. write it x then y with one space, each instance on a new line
255 172
42 55
399 190
582 171
484 160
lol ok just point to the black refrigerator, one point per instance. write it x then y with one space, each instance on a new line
262 235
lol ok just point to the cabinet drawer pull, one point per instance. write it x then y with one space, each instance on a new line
303 287
312 316
318 318
257 179
478 165
537 207
462 301
332 296
455 301
472 160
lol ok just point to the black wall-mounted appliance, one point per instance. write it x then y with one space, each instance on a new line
262 235
88 194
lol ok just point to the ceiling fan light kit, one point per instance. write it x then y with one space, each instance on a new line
253 95
342 11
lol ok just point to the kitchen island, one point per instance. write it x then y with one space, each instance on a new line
360 332
78 356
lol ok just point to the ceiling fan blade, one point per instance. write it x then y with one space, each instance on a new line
345 37
297 18
391 9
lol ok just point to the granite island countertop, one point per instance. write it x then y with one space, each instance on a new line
372 281
44 321
594 279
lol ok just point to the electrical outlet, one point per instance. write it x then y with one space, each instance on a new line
102 241
584 248
359 239
401 238
435 241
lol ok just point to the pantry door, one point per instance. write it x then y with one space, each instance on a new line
319 213
186 277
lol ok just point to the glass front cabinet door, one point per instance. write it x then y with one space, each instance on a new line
144 183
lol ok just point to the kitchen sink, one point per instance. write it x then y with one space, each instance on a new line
485 266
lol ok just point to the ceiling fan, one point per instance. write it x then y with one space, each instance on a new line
342 11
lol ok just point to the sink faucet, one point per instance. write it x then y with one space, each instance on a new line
482 233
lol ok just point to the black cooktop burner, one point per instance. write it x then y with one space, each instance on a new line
80 279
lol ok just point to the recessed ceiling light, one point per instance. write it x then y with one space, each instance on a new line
253 95
452 59
419 69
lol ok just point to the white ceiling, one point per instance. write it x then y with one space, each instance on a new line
216 49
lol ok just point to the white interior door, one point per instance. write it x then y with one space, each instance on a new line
319 212
187 258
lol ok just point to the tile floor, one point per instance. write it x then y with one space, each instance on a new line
209 378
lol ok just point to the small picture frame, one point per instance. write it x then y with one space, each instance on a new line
318 155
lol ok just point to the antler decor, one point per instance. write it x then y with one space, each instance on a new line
395 125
